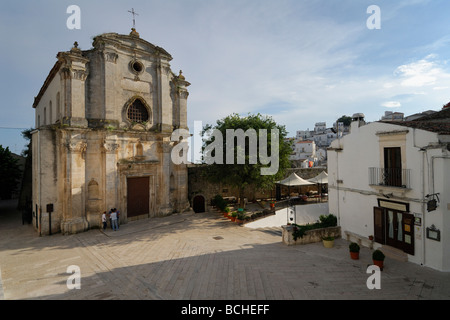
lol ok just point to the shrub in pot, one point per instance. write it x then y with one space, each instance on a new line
378 258
354 250
328 242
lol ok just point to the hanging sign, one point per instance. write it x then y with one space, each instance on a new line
433 233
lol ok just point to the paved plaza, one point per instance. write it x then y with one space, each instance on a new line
194 257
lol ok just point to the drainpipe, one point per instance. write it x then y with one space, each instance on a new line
337 188
424 152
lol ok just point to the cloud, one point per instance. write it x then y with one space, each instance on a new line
424 72
391 104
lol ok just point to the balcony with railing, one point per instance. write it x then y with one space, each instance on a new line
390 177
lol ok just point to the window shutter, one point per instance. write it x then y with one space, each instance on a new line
408 233
378 223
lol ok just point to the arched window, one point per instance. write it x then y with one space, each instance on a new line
58 106
137 112
50 107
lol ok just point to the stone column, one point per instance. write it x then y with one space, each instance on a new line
74 220
111 147
165 205
183 94
165 103
73 77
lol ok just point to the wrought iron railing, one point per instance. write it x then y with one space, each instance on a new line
392 177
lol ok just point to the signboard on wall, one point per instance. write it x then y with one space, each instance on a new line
394 205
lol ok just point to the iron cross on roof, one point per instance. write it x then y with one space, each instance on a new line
134 15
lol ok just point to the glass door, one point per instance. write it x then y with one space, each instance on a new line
400 230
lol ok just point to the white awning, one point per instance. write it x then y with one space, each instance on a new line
322 178
294 180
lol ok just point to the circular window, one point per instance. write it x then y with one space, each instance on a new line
136 66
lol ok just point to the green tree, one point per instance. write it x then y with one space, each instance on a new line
346 120
25 193
10 173
250 169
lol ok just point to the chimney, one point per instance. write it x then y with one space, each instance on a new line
357 121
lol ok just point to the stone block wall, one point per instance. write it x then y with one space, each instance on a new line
310 236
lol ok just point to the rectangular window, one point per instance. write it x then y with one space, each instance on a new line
393 167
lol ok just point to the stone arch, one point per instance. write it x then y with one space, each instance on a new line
93 189
137 111
139 150
199 203
58 106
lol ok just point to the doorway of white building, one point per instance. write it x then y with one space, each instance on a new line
394 227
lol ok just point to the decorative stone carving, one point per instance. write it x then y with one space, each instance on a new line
65 73
184 94
110 147
79 75
76 146
167 147
111 57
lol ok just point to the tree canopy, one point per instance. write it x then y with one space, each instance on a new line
242 151
10 173
346 120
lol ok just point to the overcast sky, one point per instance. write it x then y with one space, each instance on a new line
300 61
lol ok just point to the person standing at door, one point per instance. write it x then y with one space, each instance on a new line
114 220
118 217
104 220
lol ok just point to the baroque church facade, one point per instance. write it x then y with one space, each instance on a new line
104 120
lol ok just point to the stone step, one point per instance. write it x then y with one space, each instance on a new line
394 253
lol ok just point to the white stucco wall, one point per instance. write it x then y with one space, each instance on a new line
353 199
305 214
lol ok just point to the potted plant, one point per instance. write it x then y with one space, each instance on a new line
371 238
272 204
233 216
328 242
354 250
226 211
240 217
378 258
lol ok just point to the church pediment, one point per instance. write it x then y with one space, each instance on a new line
129 43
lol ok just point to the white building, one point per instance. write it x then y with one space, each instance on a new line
382 177
304 150
393 116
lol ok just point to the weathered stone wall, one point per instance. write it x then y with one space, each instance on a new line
83 157
310 236
199 185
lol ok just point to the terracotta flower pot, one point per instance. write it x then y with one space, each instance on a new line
379 263
354 255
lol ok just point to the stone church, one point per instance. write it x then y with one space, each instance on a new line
104 119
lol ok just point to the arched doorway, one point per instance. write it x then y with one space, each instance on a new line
198 204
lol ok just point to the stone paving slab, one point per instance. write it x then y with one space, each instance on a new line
197 257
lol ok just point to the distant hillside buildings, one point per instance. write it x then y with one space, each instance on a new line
309 147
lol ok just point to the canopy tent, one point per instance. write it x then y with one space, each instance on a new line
322 178
294 180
